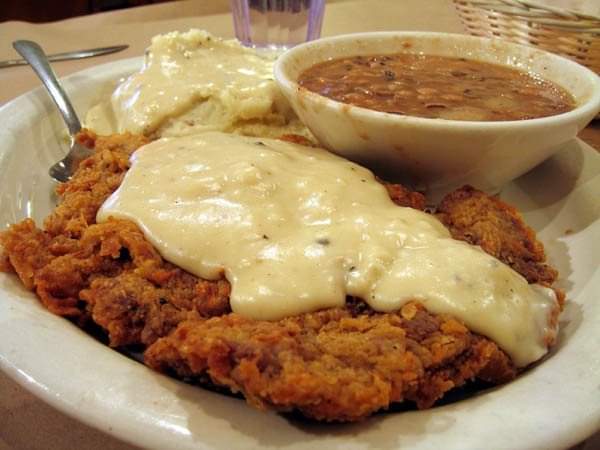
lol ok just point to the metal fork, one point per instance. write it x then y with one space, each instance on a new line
63 170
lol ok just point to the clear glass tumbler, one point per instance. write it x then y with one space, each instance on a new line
277 24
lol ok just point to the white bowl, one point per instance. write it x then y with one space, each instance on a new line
437 155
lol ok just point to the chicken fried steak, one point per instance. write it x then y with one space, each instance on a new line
338 364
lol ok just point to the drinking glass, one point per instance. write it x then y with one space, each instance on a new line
277 24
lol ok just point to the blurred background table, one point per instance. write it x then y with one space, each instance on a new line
25 421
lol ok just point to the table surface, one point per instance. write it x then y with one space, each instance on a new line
25 421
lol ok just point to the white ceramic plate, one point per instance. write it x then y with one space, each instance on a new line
554 405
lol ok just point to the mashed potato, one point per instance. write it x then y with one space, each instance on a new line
193 82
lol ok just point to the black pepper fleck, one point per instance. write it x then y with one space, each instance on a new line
389 75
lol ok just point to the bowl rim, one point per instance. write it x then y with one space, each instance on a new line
290 86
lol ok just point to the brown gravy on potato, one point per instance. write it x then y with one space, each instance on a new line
437 87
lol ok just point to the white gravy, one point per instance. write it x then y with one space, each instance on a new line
193 82
296 229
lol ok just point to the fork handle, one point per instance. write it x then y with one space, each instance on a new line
35 56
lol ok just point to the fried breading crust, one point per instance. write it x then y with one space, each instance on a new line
338 364
331 365
498 229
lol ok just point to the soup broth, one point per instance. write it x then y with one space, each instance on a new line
437 87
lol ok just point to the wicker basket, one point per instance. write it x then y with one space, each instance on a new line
568 33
